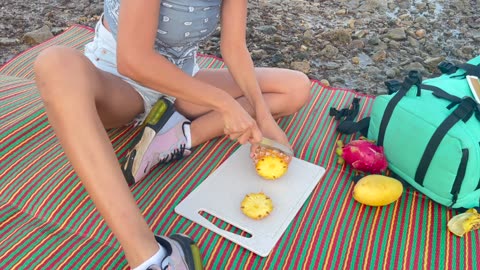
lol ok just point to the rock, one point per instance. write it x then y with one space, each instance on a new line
379 56
357 43
331 65
375 40
337 79
338 36
372 71
405 16
351 23
433 62
8 41
391 73
421 20
277 58
420 33
468 49
415 66
382 46
277 38
71 5
365 60
330 51
303 66
476 35
372 5
394 44
341 12
308 34
359 34
356 60
413 42
258 54
421 6
38 36
267 29
397 34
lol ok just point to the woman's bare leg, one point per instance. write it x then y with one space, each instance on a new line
285 92
81 101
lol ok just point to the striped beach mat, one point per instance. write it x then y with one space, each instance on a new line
47 220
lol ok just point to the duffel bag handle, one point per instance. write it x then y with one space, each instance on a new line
414 78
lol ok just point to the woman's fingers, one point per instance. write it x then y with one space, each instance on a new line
245 137
244 130
256 135
234 136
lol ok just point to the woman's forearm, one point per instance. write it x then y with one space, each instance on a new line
156 72
240 65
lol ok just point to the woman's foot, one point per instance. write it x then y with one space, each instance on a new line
182 253
162 141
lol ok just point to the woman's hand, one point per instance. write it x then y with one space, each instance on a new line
270 129
239 125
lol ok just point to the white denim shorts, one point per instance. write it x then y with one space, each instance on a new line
102 53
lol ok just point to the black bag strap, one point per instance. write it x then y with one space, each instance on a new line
440 93
453 99
414 78
457 183
350 127
393 86
448 68
346 113
346 117
463 112
470 69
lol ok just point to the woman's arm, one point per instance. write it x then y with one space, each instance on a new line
138 60
236 55
239 62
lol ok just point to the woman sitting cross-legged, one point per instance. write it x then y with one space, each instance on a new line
145 51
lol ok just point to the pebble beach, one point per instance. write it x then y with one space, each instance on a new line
347 43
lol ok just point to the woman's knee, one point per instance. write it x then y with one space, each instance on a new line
298 91
56 65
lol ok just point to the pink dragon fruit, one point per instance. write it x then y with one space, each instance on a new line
363 155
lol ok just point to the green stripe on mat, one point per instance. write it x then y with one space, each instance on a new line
48 222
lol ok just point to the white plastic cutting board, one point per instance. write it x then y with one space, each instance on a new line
222 192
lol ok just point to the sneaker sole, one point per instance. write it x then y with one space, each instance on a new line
142 141
191 251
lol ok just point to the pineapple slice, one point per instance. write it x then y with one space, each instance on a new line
270 164
257 205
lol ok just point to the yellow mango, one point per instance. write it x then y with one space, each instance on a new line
377 190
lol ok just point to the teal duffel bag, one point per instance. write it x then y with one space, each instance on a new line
430 131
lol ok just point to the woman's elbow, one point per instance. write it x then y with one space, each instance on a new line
125 66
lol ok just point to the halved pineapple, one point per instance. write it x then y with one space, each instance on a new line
257 205
270 164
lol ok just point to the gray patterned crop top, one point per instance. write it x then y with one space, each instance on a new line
181 26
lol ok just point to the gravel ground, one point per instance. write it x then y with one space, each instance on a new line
346 43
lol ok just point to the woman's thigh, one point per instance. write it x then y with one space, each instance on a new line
65 75
284 83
